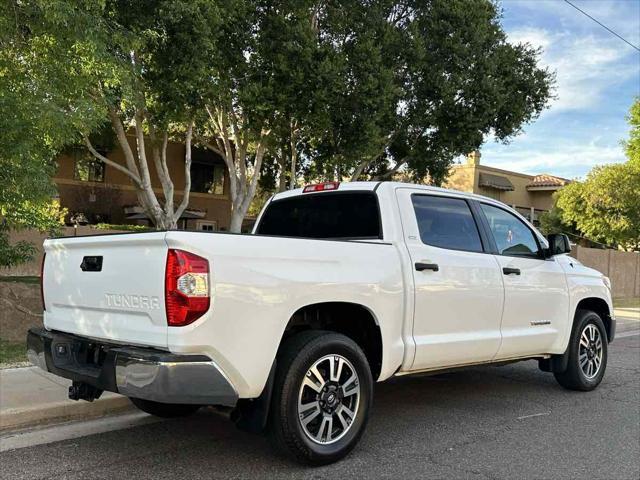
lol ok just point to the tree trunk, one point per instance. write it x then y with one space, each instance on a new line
294 155
164 217
282 178
237 218
232 143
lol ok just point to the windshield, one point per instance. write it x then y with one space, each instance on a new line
336 215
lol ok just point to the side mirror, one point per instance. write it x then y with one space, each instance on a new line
558 244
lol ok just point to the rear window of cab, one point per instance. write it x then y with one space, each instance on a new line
328 215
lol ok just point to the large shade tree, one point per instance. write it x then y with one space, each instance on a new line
415 83
347 88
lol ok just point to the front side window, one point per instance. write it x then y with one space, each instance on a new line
352 215
88 168
511 235
446 223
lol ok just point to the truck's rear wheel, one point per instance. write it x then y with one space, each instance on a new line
322 396
164 410
587 353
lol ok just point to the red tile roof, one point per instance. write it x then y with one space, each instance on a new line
546 180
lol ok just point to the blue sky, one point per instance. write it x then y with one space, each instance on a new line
598 76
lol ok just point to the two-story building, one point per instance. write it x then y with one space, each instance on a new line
97 192
530 195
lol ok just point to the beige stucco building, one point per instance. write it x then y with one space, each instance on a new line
529 194
101 193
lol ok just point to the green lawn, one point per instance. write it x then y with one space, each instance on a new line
18 279
12 352
633 302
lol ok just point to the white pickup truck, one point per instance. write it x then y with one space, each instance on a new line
340 285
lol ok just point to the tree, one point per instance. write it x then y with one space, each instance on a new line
413 84
351 88
248 72
26 151
606 206
348 88
88 63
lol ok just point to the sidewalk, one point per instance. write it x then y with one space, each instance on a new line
627 313
29 396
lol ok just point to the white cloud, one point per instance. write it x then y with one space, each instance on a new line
570 160
585 65
597 77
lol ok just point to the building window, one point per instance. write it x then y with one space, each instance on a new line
207 178
88 168
205 226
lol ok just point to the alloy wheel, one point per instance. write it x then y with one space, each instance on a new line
590 351
328 399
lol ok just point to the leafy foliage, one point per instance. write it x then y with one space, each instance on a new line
413 84
606 206
632 146
350 88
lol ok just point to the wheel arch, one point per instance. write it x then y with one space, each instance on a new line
353 320
601 307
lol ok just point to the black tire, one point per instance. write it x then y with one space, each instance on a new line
296 356
574 377
164 410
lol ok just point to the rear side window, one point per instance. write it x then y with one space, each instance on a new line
446 223
352 215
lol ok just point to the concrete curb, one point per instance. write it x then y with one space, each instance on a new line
62 411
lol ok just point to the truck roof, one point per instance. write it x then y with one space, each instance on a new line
372 186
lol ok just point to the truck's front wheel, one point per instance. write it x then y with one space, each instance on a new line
164 410
587 352
322 396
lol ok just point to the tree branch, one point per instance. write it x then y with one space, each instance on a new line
389 173
122 140
159 154
111 163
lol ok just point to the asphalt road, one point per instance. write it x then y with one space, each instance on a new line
491 422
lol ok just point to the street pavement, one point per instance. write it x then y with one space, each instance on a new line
484 422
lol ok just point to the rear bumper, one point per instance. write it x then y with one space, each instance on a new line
135 372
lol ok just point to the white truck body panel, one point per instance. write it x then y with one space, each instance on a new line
468 312
123 303
258 283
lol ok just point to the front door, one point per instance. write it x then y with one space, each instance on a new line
536 303
457 287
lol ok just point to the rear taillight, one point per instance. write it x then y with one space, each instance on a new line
186 287
44 255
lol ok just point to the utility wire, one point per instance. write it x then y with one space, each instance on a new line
602 25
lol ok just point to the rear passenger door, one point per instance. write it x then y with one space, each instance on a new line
536 303
458 291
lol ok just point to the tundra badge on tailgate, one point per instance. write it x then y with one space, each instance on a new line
132 301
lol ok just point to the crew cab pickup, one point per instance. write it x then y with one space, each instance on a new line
339 285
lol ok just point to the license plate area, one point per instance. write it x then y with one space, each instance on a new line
84 357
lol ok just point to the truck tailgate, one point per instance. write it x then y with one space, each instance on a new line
108 287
